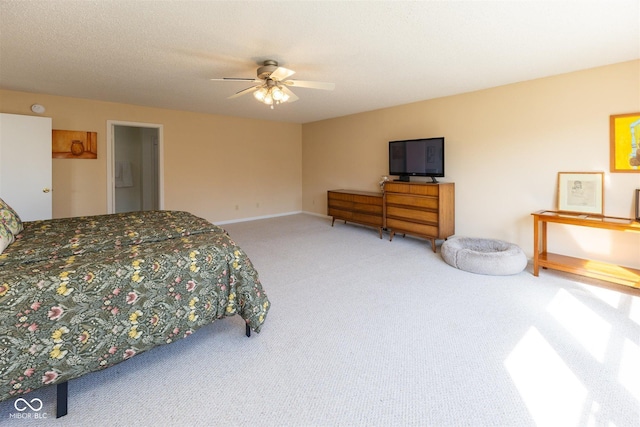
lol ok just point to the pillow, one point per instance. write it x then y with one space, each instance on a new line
10 218
6 238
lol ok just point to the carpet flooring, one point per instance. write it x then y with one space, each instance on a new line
367 332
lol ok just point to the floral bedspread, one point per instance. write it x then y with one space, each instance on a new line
42 240
101 297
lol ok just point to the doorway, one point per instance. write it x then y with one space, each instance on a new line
134 167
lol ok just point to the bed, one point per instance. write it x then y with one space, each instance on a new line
82 294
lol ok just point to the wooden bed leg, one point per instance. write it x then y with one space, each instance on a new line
248 329
62 394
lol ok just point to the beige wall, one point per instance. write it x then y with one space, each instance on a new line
221 168
504 148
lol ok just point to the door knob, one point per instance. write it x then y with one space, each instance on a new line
46 190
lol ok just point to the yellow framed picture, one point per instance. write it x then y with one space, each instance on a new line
625 142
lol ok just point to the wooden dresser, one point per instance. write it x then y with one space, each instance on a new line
420 209
362 207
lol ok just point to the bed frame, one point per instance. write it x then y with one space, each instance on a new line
62 390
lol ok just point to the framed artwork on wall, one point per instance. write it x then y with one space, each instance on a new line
73 144
581 192
625 142
638 204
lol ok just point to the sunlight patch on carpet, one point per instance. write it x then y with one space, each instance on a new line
607 296
634 313
587 327
550 390
629 375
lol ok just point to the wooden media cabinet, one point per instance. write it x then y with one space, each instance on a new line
590 268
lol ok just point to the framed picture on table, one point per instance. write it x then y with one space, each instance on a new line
581 192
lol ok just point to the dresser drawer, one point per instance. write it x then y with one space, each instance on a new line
411 214
375 220
421 189
340 196
425 190
400 226
361 207
368 200
340 204
340 213
417 201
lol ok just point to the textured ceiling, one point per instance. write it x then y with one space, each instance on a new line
379 54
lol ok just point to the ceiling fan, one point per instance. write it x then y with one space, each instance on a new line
272 85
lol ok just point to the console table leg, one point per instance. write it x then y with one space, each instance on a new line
536 249
544 239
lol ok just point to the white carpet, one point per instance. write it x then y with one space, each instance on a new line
367 332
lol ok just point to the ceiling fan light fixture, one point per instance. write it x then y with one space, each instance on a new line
277 94
260 94
270 94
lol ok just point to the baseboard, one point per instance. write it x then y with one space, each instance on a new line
315 214
255 218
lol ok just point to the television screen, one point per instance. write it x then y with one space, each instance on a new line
417 157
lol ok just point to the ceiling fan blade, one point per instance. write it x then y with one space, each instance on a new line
310 85
236 79
244 91
281 73
292 96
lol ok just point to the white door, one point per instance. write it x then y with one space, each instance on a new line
25 165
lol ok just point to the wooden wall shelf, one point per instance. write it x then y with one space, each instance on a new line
591 268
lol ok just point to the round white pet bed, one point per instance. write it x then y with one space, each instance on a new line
484 256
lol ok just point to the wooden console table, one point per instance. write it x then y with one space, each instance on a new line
595 269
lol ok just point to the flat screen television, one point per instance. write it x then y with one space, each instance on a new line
417 157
